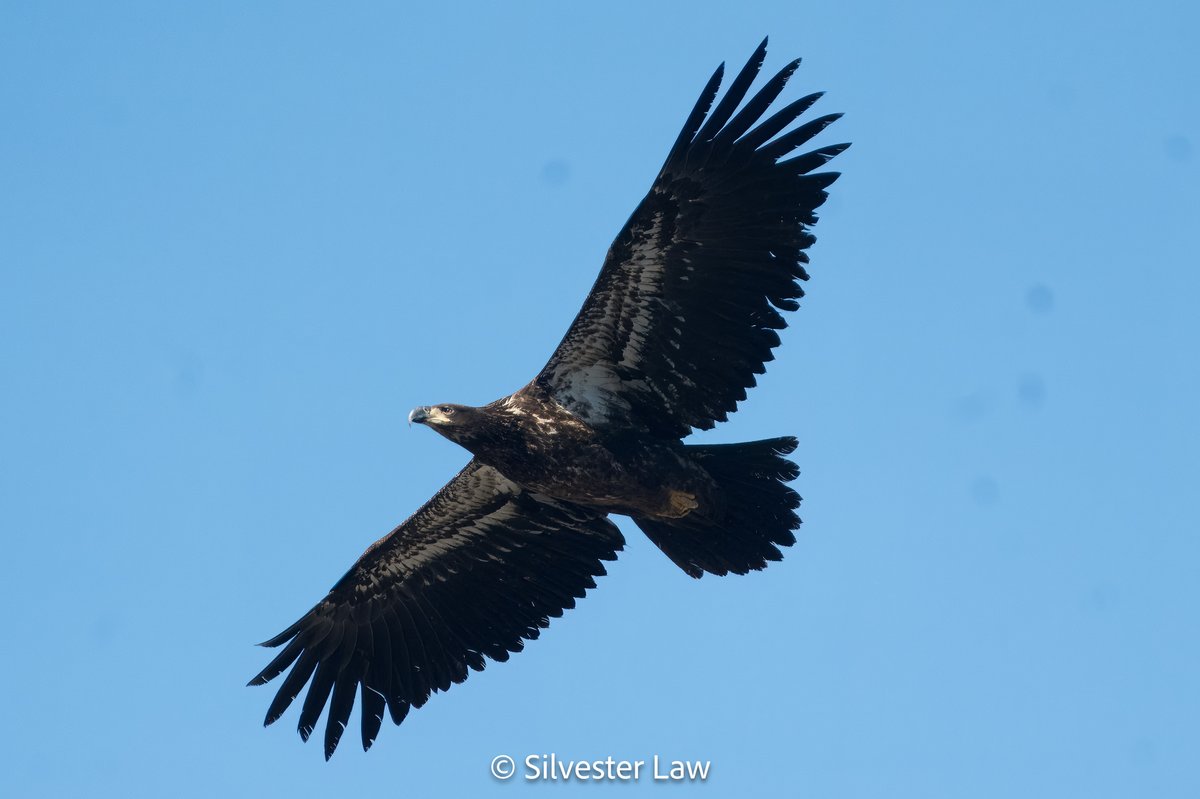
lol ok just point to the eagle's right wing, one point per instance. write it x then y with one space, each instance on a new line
685 311
482 566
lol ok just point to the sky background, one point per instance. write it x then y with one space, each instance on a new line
239 242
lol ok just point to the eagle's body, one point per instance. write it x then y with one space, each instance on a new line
544 447
682 317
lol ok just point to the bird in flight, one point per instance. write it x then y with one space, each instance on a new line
684 314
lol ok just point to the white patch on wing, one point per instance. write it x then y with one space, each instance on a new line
547 425
593 393
513 406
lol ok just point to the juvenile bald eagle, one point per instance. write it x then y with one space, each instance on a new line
682 317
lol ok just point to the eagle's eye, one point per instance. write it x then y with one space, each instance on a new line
447 410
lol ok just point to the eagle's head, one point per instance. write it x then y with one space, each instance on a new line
439 416
458 423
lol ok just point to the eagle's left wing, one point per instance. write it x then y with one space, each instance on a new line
480 567
685 311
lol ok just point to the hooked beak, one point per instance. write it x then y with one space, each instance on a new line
418 415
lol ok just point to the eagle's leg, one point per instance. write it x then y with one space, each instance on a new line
680 504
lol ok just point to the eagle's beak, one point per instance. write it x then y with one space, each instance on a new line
418 415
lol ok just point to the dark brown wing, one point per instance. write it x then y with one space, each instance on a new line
685 310
481 567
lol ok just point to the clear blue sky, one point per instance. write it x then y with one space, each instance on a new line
239 244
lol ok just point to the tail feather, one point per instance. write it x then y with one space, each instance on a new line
757 519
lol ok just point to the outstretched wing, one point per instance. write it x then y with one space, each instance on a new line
685 310
482 566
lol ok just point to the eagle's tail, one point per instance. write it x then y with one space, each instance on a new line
758 515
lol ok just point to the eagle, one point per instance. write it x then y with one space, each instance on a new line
683 316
